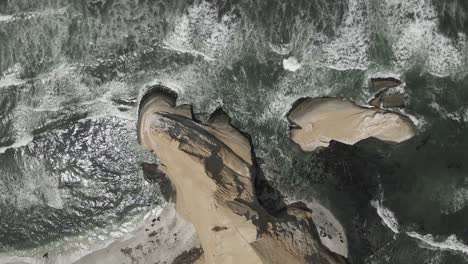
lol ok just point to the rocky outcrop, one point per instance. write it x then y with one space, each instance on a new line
393 101
377 85
388 100
383 94
314 122
212 168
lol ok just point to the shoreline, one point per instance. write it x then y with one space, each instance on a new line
160 234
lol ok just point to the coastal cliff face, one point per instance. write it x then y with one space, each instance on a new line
315 122
212 168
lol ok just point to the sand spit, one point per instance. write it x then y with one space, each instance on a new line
212 168
314 122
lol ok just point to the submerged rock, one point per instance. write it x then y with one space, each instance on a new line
377 85
388 100
393 101
315 122
212 167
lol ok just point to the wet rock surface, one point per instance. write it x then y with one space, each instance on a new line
393 101
377 85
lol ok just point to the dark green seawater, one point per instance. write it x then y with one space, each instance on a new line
72 73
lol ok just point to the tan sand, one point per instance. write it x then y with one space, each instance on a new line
212 168
317 121
165 238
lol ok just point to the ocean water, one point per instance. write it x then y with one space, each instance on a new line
72 73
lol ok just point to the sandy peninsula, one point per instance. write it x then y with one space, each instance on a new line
314 122
212 167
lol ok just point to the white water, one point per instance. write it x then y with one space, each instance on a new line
347 51
451 243
291 64
4 18
426 241
70 249
10 77
20 143
413 26
199 32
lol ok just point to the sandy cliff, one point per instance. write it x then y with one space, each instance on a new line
212 168
315 122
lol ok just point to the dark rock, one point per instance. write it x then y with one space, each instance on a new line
46 255
379 84
188 257
376 101
219 228
393 101
153 174
152 234
126 251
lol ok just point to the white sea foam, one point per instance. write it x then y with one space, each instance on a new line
4 18
349 49
19 143
387 216
10 77
418 120
412 31
174 84
281 49
70 249
460 115
291 64
31 15
428 241
451 243
413 27
199 32
179 48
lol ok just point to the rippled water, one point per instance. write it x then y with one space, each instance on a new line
73 72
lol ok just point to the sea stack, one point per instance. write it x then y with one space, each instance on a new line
212 168
314 122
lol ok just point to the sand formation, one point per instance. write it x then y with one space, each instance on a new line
314 122
212 168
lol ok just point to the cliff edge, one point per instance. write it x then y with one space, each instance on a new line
212 168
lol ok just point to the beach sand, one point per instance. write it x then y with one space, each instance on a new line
166 238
